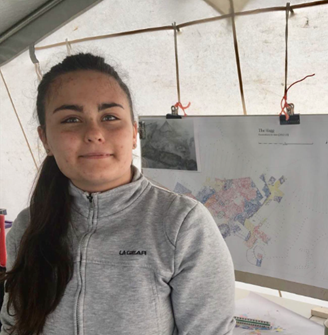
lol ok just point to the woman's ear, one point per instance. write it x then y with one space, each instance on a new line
135 133
43 138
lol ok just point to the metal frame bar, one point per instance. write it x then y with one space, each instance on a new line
28 19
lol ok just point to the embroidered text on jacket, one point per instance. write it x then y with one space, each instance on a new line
133 252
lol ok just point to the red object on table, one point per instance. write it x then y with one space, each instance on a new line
3 254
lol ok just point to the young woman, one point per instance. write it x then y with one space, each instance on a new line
101 250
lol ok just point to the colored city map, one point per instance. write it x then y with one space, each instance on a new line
234 202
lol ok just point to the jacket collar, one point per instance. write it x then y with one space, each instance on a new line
112 201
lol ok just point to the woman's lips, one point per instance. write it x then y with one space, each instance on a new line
96 156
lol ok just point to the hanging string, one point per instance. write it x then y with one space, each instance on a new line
286 65
68 47
176 59
35 61
286 44
284 103
178 104
38 71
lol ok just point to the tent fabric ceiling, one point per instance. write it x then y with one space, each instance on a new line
208 74
12 12
224 7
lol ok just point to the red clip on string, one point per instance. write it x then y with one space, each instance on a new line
178 104
285 104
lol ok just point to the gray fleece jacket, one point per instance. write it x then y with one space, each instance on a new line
146 262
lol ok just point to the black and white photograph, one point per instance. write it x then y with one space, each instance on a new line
169 144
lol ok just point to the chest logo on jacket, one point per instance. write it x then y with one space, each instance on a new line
133 252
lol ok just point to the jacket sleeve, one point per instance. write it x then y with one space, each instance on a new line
203 283
7 320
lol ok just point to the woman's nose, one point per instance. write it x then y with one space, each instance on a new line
93 133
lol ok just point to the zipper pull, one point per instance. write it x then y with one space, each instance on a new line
90 197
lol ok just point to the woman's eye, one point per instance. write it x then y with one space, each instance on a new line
76 120
110 117
70 120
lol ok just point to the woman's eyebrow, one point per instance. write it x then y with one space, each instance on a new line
78 108
108 105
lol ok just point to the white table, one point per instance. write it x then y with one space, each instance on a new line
298 307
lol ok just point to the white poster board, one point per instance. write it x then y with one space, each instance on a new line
266 186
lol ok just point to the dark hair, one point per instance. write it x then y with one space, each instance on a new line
44 246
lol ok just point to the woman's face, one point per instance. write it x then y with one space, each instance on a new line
88 115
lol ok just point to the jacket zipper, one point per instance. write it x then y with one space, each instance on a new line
90 198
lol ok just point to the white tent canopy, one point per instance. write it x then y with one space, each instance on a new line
207 67
146 61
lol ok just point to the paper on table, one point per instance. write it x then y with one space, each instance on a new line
283 320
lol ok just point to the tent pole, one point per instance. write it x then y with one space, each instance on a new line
237 57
